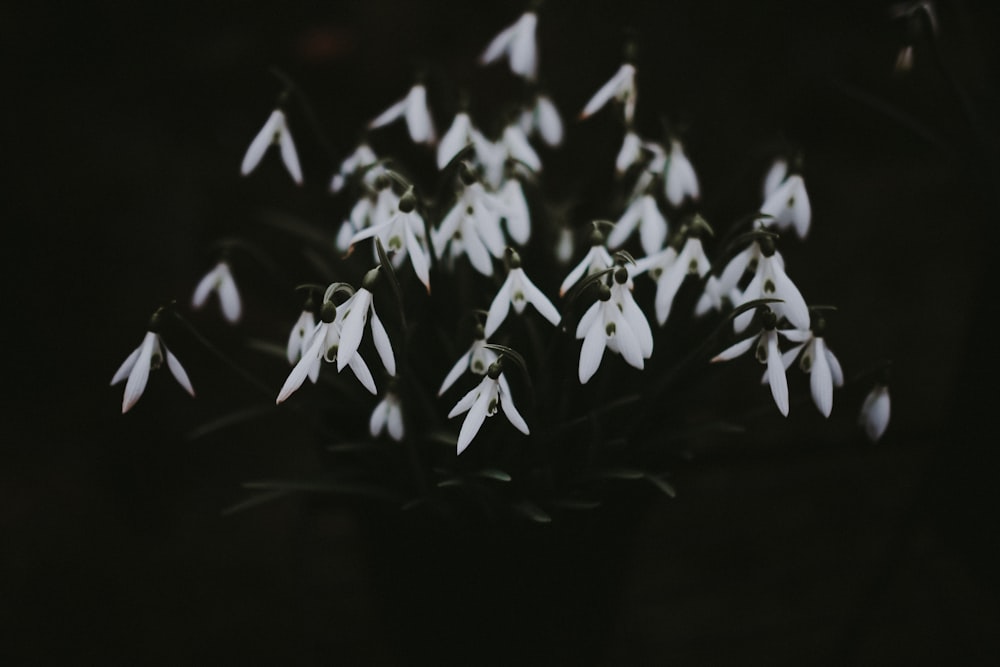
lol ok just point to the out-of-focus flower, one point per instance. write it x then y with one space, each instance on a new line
275 131
874 416
517 42
681 181
387 416
643 213
543 118
767 352
519 291
476 359
414 109
220 280
620 87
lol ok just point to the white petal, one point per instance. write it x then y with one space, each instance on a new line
139 375
178 371
205 287
302 369
801 208
353 327
523 51
418 257
736 349
541 302
626 340
836 372
296 339
467 400
395 421
479 256
625 225
820 380
796 335
575 275
474 420
517 216
639 326
455 372
550 125
500 306
653 227
377 421
262 141
382 343
418 117
794 306
593 349
360 370
612 88
229 297
454 140
519 148
390 114
775 176
681 180
666 289
589 317
776 373
509 409
126 366
498 45
875 413
289 156
753 291
629 152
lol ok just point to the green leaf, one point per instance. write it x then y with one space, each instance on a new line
618 473
576 504
453 481
493 473
255 501
397 290
334 486
231 419
664 486
531 511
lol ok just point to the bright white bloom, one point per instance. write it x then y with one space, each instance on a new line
322 344
275 131
518 290
765 344
476 359
414 109
819 362
220 280
403 235
543 118
517 42
472 226
148 356
482 402
681 180
515 211
771 281
299 335
874 416
387 416
596 260
356 310
644 213
629 153
362 158
727 285
788 204
458 136
669 268
621 294
604 325
621 87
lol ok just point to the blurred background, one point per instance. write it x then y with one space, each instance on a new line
805 544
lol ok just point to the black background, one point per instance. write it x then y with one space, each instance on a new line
125 128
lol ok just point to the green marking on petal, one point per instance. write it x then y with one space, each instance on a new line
769 287
610 329
762 352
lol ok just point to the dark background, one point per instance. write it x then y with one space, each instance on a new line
125 129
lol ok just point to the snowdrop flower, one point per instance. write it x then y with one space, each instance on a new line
472 226
604 325
596 260
543 119
518 290
322 344
669 268
275 131
459 135
476 359
517 42
387 416
727 284
621 87
414 109
681 181
771 281
621 294
767 352
403 234
362 158
219 280
492 393
644 213
874 416
818 361
356 310
148 356
515 211
300 333
788 203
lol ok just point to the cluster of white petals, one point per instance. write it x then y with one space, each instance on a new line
220 280
387 417
483 401
517 43
767 352
786 200
275 131
413 108
148 356
518 291
816 359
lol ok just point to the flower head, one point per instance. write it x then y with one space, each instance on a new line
765 344
517 42
220 280
644 214
620 87
681 181
818 361
669 268
491 394
771 281
275 131
596 260
403 235
472 226
604 325
519 291
787 201
387 416
148 356
414 109
476 359
874 416
356 311
362 158
543 119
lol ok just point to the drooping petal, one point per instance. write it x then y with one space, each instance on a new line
509 409
737 349
353 328
629 152
681 179
126 367
178 371
836 372
776 373
479 256
229 297
625 225
498 45
666 289
303 368
454 140
794 306
801 208
653 227
289 155
262 142
775 176
621 81
378 419
477 414
638 324
418 116
516 214
297 337
500 306
519 148
541 302
467 400
589 317
390 114
593 349
523 50
820 379
550 125
418 257
360 370
205 287
394 421
874 416
382 343
139 375
627 342
456 372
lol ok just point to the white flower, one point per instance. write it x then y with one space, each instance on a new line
644 213
767 352
476 359
517 41
518 290
788 204
629 153
669 268
605 326
413 107
475 220
387 416
621 294
148 356
515 211
596 260
681 180
492 393
727 284
219 280
299 335
275 131
771 281
356 310
403 235
322 344
874 416
362 157
543 118
458 136
819 362
620 87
